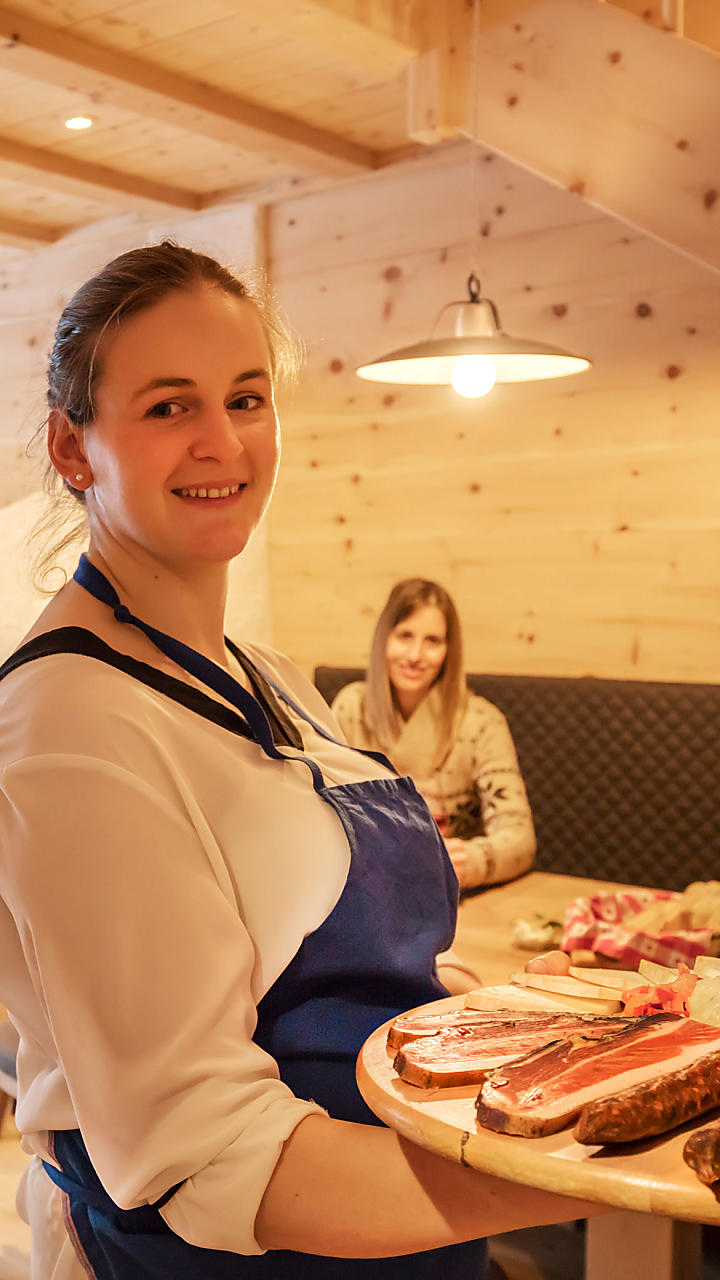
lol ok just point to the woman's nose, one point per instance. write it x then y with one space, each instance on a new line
216 435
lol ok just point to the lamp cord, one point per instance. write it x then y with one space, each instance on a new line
476 195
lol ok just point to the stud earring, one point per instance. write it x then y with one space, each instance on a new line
80 476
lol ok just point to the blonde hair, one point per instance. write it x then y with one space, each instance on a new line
131 283
380 709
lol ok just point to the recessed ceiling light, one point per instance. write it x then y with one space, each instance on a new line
78 122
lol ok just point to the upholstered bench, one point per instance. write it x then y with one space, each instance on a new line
623 776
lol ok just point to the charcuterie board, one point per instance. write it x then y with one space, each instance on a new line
647 1177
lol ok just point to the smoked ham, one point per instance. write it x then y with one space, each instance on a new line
464 1054
547 1089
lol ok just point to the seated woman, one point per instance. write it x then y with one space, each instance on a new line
457 747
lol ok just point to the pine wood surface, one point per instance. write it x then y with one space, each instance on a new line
575 522
616 102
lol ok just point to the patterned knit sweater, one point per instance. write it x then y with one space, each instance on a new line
480 773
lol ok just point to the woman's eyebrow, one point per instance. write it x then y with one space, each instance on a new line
155 383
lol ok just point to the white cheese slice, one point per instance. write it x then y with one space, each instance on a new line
657 974
517 997
562 985
619 979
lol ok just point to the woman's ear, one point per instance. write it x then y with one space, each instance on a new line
67 454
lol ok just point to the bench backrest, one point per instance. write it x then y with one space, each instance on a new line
623 776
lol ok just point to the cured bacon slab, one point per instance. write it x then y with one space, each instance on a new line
655 1105
410 1026
547 1089
464 1054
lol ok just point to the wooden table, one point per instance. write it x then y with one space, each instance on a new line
662 1200
485 920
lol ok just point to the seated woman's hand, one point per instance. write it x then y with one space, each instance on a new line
556 962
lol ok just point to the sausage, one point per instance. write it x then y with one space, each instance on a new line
702 1153
654 1105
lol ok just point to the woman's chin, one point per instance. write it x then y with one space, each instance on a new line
219 550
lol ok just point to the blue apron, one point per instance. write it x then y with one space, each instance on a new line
372 958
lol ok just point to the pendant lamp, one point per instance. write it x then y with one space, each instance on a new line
478 353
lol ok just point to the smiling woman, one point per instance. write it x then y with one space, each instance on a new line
192 862
160 444
416 708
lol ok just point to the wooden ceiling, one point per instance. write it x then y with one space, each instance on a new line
196 102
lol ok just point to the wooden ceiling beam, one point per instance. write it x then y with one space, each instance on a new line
37 50
612 109
26 235
91 181
439 77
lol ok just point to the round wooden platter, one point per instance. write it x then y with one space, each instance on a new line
647 1177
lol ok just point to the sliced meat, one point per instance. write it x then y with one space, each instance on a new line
546 1090
654 1106
411 1026
702 1153
465 1054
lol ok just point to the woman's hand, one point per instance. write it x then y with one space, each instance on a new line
458 856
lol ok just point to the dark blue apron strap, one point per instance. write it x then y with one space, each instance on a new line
95 582
324 733
98 1199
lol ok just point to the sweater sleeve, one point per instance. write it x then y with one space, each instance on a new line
508 847
347 709
141 964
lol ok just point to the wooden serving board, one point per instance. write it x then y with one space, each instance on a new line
648 1177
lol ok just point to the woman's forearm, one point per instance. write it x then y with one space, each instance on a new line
355 1191
502 855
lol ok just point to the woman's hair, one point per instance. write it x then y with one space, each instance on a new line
380 706
123 288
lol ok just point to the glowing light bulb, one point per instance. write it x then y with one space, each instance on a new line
473 376
78 122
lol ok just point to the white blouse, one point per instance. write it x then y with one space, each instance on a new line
157 873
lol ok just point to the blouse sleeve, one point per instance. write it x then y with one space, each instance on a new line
142 967
508 847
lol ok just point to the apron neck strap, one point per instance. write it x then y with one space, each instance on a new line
196 664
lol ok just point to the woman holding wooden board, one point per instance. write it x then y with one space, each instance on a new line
208 902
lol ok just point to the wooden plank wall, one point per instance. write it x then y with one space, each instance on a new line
577 522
